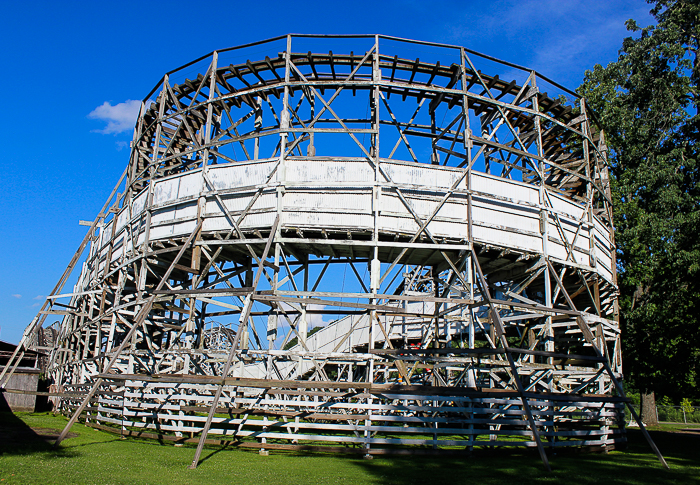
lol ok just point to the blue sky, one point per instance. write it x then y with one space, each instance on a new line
70 70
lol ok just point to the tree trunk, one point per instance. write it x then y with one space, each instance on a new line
648 412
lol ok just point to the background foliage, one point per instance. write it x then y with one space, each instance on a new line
647 102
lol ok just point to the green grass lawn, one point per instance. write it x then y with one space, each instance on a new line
92 456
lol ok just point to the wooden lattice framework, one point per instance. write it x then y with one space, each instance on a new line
464 270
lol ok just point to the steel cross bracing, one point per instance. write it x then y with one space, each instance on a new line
459 278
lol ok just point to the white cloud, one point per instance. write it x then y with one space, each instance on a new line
39 297
316 319
120 118
312 319
16 295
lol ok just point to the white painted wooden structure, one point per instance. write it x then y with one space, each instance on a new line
461 273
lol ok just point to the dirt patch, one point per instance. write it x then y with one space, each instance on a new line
52 434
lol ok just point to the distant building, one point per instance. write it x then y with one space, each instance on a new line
25 377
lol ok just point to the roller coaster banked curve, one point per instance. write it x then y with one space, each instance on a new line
462 271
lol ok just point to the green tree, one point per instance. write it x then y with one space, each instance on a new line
648 104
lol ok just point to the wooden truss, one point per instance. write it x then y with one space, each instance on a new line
460 276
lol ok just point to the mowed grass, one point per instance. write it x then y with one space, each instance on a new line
97 457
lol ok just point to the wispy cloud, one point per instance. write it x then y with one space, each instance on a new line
17 295
40 300
120 118
560 39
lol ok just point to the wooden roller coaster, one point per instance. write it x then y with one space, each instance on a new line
266 273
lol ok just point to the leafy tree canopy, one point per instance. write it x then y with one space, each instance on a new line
648 104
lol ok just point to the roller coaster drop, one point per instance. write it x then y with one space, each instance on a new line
460 277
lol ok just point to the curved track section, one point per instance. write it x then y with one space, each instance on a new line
364 241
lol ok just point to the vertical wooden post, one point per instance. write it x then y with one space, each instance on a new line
232 352
511 363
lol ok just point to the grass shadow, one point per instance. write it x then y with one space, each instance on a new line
18 438
637 464
219 449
